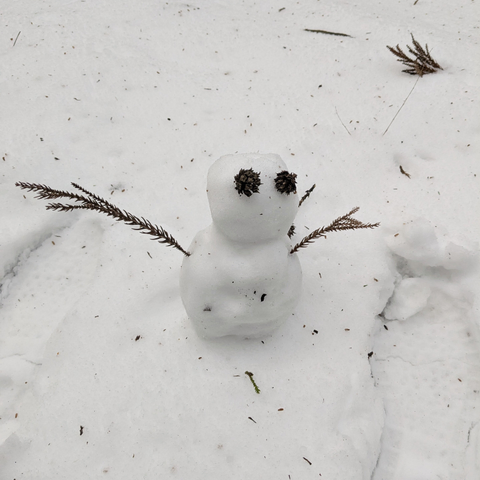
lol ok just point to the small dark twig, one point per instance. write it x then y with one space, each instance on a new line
96 203
421 63
250 374
404 172
16 38
307 194
346 222
326 32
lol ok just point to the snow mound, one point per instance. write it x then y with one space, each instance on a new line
410 297
420 245
427 360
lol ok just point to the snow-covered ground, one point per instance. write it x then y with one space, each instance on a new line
377 373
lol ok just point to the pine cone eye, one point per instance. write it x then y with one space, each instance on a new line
285 182
247 182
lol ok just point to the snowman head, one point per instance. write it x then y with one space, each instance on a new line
252 197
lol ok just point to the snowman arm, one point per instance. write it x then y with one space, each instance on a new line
307 194
94 202
345 222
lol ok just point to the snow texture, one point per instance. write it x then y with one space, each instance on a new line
240 278
427 361
373 375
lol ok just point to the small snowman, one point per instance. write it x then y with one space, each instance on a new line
240 278
240 275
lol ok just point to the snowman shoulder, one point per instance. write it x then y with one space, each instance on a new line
208 239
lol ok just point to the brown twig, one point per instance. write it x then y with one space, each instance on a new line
326 32
421 63
307 194
404 172
16 38
345 222
96 203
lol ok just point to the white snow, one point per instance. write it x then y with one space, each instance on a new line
427 365
410 297
373 375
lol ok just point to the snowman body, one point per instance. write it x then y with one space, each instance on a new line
240 278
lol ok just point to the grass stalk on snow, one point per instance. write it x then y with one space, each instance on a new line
255 386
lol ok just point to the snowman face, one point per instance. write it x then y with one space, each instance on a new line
252 197
248 181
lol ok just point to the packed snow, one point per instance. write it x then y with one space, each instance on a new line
373 374
426 359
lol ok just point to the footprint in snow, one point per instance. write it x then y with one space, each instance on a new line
49 279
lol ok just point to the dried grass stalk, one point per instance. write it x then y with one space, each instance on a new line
422 61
